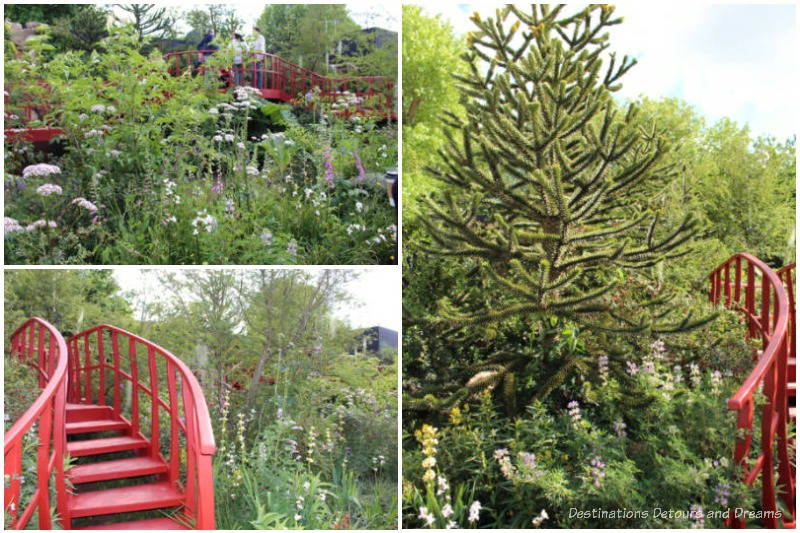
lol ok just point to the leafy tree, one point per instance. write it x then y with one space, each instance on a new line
305 34
206 304
548 191
219 17
286 315
71 300
82 30
149 20
431 53
46 13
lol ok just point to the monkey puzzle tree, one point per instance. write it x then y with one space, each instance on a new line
549 186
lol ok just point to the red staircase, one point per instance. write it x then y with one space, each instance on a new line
121 392
748 285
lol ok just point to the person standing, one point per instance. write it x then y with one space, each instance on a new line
259 49
205 45
237 44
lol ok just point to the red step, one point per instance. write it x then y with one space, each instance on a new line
791 389
79 412
116 469
153 523
91 426
124 499
80 448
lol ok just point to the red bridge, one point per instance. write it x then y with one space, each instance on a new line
273 78
125 410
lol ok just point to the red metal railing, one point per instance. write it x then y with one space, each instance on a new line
766 308
41 346
279 79
102 358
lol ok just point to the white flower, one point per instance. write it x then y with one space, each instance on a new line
447 511
111 109
474 511
425 516
47 189
41 169
451 525
297 517
84 203
359 206
218 138
214 111
41 224
251 171
11 225
240 145
229 137
98 108
266 237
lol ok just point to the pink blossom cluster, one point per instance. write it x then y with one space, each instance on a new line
41 223
47 189
86 204
10 225
40 169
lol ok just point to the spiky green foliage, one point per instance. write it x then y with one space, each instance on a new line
550 183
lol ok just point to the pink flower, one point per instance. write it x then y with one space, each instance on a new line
47 189
86 204
360 168
11 225
42 169
329 166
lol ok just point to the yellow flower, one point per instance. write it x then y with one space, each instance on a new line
429 462
476 17
455 416
428 476
515 27
469 39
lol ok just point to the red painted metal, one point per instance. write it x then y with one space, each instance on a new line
766 308
285 81
40 345
92 355
77 371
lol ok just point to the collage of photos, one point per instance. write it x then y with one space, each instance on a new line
395 266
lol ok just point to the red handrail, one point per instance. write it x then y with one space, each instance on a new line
41 346
769 322
87 384
787 275
281 79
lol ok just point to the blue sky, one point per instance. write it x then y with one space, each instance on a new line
734 60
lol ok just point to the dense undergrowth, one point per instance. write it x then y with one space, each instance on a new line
160 169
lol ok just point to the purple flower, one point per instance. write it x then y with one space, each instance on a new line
360 168
328 166
217 187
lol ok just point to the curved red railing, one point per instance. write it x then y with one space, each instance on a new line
172 391
41 346
787 275
766 308
279 79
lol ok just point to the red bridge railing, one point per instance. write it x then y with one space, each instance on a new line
278 79
747 284
105 357
41 346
